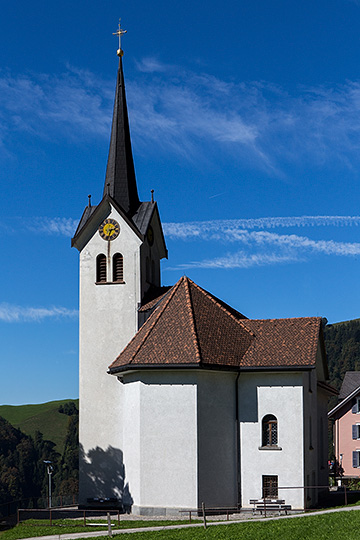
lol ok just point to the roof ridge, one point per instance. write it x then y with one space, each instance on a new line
210 297
193 324
285 319
156 314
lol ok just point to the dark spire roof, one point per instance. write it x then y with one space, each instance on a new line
120 172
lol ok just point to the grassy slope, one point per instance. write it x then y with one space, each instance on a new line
43 417
336 526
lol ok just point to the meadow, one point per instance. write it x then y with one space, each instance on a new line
337 526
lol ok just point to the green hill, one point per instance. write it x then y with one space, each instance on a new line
44 417
342 341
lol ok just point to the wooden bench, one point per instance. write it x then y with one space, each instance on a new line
270 505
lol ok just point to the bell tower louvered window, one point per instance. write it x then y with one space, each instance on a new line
118 267
101 268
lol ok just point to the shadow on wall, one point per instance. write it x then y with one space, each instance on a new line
102 474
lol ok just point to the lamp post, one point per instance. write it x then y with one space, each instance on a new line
49 466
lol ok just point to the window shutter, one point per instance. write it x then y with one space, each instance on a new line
355 459
118 267
354 432
354 408
101 268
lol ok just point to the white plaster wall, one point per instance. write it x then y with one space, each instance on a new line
108 320
161 462
280 394
311 436
217 453
132 438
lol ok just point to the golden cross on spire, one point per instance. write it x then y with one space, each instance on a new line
119 33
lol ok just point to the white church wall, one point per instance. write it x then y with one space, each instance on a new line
108 320
311 438
279 394
217 443
166 472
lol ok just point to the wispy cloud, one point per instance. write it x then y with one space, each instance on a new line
41 104
262 247
40 225
56 226
151 65
11 313
229 228
241 260
190 113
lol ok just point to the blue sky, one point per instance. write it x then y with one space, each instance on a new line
245 120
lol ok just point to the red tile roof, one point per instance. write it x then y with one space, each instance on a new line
192 327
283 342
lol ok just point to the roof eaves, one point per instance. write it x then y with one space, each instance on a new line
90 219
344 401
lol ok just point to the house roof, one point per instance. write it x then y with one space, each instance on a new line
191 327
350 383
350 388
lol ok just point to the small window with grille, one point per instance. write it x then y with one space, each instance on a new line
118 268
270 487
269 430
101 268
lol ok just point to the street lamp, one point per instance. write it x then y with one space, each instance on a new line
49 466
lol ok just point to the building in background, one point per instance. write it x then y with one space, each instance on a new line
346 426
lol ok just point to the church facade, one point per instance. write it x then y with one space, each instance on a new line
183 399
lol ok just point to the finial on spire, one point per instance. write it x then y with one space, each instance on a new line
119 33
152 195
89 204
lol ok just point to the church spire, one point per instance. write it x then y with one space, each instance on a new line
120 181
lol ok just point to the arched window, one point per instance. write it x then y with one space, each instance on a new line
118 267
269 430
101 268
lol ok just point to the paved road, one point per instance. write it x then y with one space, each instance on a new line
74 536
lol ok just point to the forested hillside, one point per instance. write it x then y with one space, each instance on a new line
342 341
23 473
45 417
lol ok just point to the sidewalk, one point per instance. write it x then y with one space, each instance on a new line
74 536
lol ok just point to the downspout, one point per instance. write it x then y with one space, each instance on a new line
238 448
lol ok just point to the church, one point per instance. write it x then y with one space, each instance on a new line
183 399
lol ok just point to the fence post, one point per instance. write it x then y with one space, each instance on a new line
84 519
18 516
265 506
345 495
109 524
50 518
204 515
119 518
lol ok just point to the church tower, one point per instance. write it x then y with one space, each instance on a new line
121 243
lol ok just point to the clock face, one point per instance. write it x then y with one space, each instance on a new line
109 229
150 235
